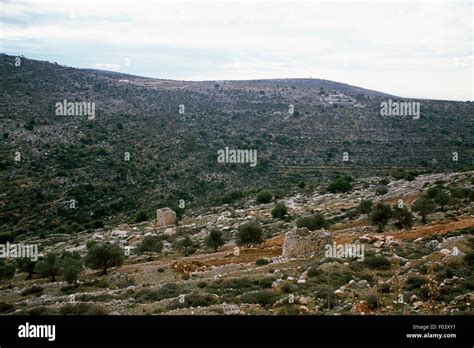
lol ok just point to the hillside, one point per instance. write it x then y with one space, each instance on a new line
172 155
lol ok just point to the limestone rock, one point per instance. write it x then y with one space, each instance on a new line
165 217
301 242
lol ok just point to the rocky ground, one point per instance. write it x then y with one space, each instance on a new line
422 270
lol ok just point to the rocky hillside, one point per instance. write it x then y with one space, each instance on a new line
417 265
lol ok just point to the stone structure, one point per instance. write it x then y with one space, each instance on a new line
165 217
301 242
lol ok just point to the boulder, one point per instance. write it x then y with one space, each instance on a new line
301 242
165 217
170 232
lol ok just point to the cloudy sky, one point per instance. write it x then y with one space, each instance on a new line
407 48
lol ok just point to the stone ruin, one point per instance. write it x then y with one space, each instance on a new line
165 217
301 242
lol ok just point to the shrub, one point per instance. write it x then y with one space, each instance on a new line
140 216
381 190
34 290
249 233
415 282
232 196
377 262
423 206
97 224
263 297
381 215
201 284
365 207
70 269
312 223
150 244
403 215
469 259
280 210
48 267
262 262
187 246
372 301
214 240
194 300
166 291
264 196
340 185
6 237
7 270
6 307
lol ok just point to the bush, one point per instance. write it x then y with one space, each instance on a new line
249 233
150 244
377 262
140 216
423 206
7 270
415 282
6 307
201 284
6 237
403 215
264 196
279 211
312 223
232 196
340 185
214 240
187 246
48 267
381 215
103 256
365 207
262 262
166 291
372 301
194 300
381 190
469 259
70 269
263 297
34 290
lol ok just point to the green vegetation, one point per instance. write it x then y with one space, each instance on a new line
264 196
312 223
214 240
249 233
340 185
380 215
279 211
104 256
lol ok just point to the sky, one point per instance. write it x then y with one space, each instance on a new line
417 49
